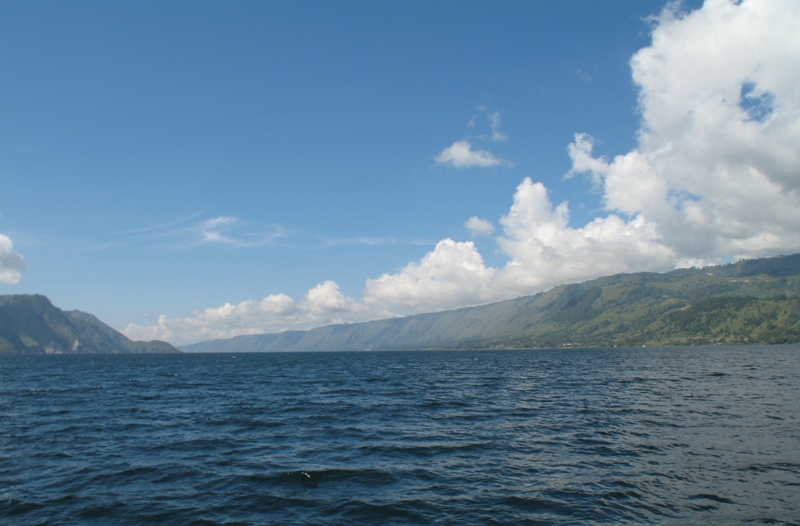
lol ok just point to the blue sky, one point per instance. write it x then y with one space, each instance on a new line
257 166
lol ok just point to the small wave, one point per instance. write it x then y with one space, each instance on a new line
523 437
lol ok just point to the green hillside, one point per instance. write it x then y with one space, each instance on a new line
30 324
753 301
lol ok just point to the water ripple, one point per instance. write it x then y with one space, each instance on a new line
615 436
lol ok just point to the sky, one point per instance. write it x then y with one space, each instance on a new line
196 170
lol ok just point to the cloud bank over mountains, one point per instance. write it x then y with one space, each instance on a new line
714 176
11 263
322 305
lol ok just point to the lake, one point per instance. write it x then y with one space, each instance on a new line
694 435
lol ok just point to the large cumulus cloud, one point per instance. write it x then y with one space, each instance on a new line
717 166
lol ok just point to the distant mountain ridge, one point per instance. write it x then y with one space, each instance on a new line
31 324
751 301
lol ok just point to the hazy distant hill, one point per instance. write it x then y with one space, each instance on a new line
753 301
30 324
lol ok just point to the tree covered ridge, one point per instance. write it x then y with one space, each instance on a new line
31 324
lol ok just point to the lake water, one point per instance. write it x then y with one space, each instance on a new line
696 435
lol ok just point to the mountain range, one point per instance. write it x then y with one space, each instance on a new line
751 301
31 324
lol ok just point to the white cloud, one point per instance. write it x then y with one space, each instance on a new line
322 305
478 226
543 251
717 166
325 301
461 155
580 151
452 275
11 263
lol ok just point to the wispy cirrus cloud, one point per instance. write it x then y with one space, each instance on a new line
235 232
194 231
583 75
494 124
371 241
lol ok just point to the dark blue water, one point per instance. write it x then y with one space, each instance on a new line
666 436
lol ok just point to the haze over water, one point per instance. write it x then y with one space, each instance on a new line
705 435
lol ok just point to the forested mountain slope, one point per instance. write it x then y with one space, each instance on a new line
752 301
31 324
